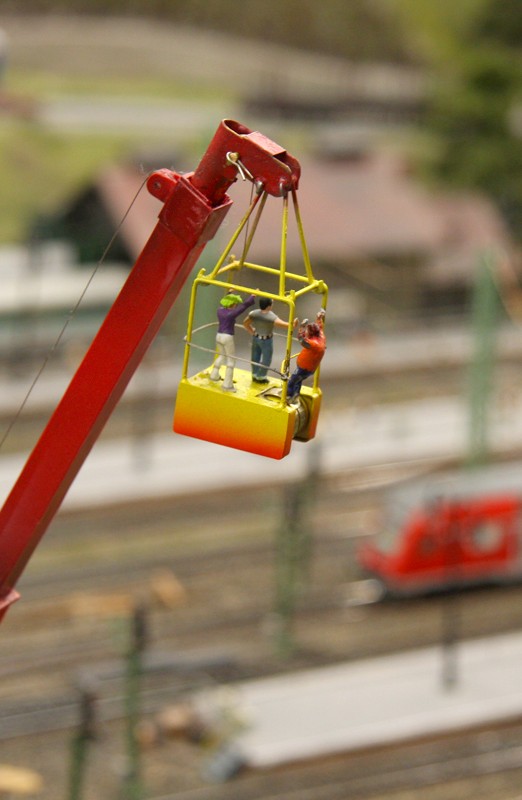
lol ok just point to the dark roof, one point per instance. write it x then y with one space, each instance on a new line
366 208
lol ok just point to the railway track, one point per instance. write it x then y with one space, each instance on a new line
469 764
227 600
439 769
223 558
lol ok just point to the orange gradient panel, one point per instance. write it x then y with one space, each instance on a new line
311 398
235 420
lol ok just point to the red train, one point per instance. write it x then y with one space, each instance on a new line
452 530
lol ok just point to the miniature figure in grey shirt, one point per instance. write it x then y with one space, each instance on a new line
260 324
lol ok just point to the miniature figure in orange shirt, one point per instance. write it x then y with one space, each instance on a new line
312 338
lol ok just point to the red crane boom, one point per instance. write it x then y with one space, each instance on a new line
194 206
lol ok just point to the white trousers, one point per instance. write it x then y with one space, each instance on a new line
226 349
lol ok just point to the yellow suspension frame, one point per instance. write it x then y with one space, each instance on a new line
250 419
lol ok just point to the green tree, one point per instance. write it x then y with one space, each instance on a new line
473 109
500 22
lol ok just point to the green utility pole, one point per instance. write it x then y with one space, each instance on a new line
294 551
83 737
132 786
288 563
485 309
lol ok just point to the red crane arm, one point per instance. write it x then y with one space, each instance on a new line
194 205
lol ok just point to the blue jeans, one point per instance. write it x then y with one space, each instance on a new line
262 352
296 380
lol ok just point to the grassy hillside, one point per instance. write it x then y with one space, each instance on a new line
40 168
396 30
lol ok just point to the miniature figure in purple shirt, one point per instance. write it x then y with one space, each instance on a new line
231 306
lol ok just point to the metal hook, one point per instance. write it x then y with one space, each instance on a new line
233 160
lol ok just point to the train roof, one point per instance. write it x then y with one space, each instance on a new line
496 479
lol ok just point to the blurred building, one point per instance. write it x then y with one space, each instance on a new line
41 287
374 232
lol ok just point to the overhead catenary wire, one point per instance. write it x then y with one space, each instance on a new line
68 320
